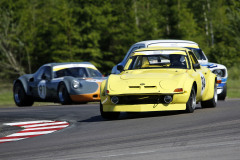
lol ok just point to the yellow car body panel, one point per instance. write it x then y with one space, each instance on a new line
137 87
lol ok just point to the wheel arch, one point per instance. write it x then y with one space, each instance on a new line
65 83
64 100
103 87
188 84
209 93
23 83
195 86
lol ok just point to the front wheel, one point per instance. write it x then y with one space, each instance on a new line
191 103
223 95
63 95
108 115
21 99
212 102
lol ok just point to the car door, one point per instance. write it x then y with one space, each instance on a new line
199 75
41 87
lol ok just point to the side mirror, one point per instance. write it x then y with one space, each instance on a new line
45 77
120 68
196 66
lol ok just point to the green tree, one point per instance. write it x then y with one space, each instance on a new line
11 46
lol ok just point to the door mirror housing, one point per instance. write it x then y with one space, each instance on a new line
196 66
46 77
120 68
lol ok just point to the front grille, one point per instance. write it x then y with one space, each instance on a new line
95 96
150 87
134 86
141 99
144 86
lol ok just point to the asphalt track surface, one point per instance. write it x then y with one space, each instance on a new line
206 134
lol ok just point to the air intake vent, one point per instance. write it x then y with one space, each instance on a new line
149 86
134 86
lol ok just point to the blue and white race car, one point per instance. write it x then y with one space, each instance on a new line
219 69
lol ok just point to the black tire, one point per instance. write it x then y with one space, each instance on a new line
20 97
63 95
212 102
108 115
223 95
191 103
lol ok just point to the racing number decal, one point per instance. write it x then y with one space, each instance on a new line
203 83
42 91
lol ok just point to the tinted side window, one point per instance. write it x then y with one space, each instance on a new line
48 72
39 73
94 73
74 72
199 54
82 73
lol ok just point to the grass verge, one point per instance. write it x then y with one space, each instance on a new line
233 90
6 97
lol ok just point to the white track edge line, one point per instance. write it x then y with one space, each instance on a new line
26 122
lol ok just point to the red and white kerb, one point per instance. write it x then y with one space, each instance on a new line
33 129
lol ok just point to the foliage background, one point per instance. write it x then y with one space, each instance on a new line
34 32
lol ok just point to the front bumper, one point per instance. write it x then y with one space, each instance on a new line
85 97
144 107
220 87
178 103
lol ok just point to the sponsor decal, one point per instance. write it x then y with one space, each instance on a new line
42 89
203 80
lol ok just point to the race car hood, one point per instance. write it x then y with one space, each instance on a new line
151 74
147 81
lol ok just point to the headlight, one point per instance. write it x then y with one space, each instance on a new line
115 99
167 99
219 72
75 84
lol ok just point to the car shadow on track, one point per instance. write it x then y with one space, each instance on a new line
135 115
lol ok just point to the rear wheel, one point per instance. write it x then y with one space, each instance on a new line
63 95
108 115
21 99
191 103
212 102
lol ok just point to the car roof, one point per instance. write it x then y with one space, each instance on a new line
160 50
59 66
169 43
66 63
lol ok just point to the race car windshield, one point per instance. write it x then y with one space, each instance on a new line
78 72
159 61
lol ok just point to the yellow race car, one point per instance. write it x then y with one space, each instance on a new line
158 79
